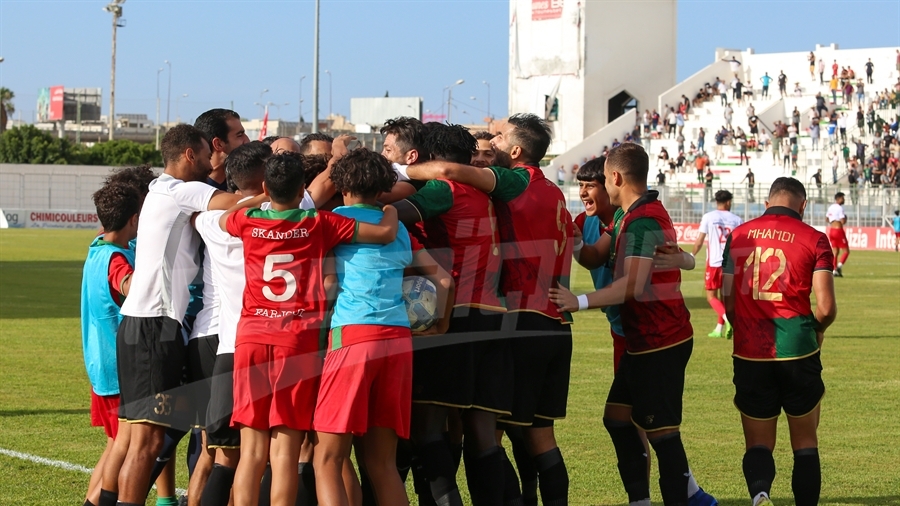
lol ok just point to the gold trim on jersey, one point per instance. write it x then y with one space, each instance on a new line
785 359
491 410
151 422
223 447
542 417
445 404
517 424
648 431
658 349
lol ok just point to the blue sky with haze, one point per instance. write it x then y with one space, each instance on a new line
226 52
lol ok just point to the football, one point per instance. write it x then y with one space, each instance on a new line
420 296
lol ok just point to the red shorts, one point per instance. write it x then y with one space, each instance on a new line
274 386
838 238
897 234
105 413
365 385
618 349
713 278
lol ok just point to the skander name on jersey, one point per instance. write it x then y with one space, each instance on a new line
768 233
276 235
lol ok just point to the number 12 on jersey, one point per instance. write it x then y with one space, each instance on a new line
756 259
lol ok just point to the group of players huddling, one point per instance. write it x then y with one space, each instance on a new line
253 291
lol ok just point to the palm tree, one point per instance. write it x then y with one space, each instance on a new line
6 107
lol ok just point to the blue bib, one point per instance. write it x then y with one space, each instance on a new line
603 275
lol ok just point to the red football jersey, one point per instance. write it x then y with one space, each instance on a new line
773 259
460 232
284 299
536 235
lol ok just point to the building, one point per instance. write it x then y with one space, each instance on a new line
580 65
374 111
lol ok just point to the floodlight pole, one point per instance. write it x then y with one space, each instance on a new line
115 8
315 107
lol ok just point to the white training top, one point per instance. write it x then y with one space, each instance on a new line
835 213
206 323
306 203
168 258
225 254
717 225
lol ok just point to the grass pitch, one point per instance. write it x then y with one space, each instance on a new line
44 399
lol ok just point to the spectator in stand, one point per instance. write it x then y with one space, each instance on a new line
860 149
786 159
835 162
842 126
848 93
700 164
723 92
616 143
782 84
729 112
685 104
751 110
680 141
860 93
795 118
753 123
670 123
869 68
798 91
679 162
735 65
660 178
662 157
817 177
654 120
701 139
845 150
742 142
777 141
708 180
860 120
820 104
679 122
736 86
834 69
720 140
795 150
853 179
814 134
821 72
763 140
833 86
765 84
645 121
812 66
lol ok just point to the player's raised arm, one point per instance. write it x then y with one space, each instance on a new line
382 233
481 178
427 267
222 200
238 205
592 256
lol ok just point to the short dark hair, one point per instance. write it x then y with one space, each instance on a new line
410 134
631 161
138 177
532 134
838 195
214 123
723 196
592 171
178 139
270 139
453 143
284 177
363 173
314 165
305 141
116 203
787 185
246 164
483 135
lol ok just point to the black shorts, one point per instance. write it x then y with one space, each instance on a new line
219 433
542 353
468 367
764 388
201 358
151 356
652 384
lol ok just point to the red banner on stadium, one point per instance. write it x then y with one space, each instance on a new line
860 238
546 9
57 98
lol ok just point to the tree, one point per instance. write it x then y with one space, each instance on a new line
121 153
6 107
27 144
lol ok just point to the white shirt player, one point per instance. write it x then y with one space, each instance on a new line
835 213
306 202
168 259
717 225
225 254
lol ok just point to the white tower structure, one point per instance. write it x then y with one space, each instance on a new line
582 64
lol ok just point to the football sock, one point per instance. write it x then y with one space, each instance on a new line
217 491
759 470
265 487
642 502
484 475
553 478
420 484
758 497
194 449
843 259
437 464
719 307
166 501
87 502
405 458
108 498
525 466
170 443
128 504
632 459
693 488
306 486
512 496
673 468
806 481
719 327
457 451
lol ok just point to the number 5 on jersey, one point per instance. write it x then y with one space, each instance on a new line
270 273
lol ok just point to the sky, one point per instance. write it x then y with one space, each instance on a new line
224 53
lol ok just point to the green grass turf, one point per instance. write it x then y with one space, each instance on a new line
44 399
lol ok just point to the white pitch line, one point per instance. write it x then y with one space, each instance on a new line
68 466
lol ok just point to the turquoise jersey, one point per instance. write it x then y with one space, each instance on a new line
897 224
370 276
100 317
603 275
766 80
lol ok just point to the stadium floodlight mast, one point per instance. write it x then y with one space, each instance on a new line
315 106
450 96
300 107
168 93
489 98
114 8
157 106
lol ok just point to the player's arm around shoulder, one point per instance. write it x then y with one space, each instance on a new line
591 256
239 205
482 178
427 266
631 285
382 233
